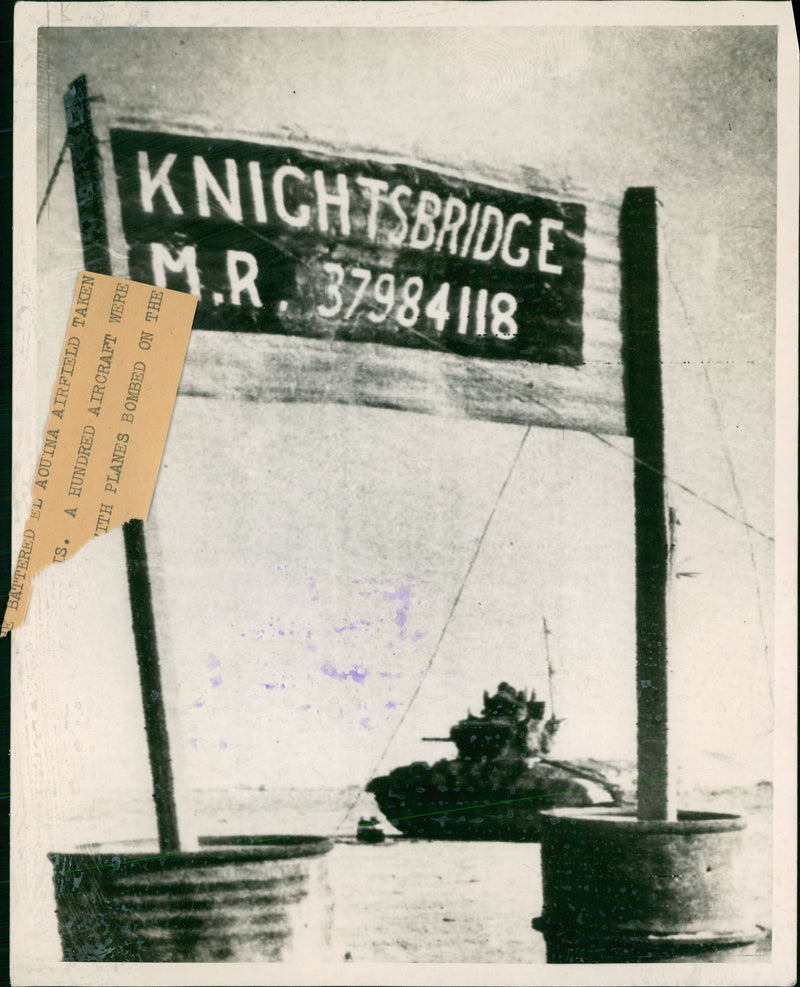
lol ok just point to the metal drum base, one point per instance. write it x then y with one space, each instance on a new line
236 898
618 889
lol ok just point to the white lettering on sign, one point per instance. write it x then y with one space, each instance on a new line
521 258
374 188
244 280
185 262
205 182
411 301
423 232
299 219
473 222
340 200
399 217
455 214
545 246
257 191
150 184
492 219
396 237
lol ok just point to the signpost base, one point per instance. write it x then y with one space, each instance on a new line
242 899
618 889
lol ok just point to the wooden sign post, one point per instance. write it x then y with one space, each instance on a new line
641 355
86 172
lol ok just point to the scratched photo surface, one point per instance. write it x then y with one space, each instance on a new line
397 473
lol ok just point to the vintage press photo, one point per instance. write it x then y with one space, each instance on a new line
388 582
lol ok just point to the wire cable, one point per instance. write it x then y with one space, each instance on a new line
456 601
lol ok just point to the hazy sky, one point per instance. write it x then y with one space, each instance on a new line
306 558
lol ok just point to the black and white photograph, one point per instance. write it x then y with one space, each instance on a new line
458 642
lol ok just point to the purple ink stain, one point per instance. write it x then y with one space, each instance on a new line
213 661
222 745
365 723
193 741
392 705
357 673
352 626
199 702
268 685
215 680
403 594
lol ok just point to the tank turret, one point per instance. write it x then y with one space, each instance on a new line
510 725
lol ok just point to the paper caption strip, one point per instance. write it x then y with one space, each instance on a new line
112 402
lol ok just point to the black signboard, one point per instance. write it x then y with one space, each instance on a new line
283 241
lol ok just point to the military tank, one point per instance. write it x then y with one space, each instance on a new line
501 780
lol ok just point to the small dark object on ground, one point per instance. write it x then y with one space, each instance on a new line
369 831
